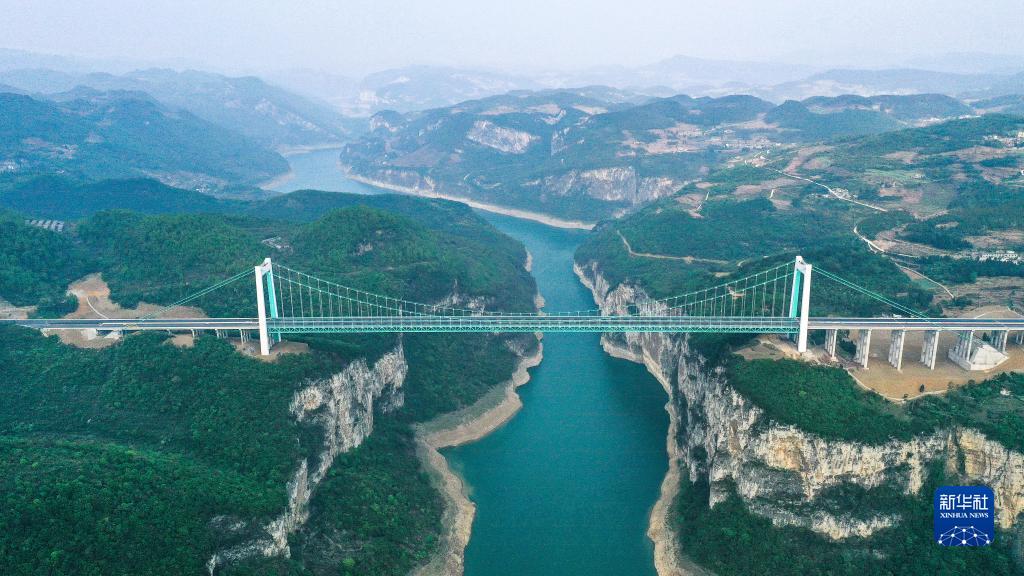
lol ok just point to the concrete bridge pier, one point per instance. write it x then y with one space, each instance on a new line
1020 338
930 349
863 348
999 338
896 348
961 351
831 337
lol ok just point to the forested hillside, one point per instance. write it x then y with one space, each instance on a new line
125 134
131 431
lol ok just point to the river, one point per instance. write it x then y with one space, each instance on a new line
566 487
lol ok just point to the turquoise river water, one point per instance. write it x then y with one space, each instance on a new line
566 486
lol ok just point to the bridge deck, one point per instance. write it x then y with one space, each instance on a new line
525 323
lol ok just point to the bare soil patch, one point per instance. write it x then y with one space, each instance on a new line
94 301
894 384
9 311
802 155
997 240
905 156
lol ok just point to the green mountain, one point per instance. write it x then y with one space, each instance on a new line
908 108
1011 104
806 124
118 134
567 155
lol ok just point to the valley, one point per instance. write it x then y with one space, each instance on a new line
811 270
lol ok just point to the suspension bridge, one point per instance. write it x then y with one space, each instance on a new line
776 300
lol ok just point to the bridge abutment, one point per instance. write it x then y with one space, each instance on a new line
960 353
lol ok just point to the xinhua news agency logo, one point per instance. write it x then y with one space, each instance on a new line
964 516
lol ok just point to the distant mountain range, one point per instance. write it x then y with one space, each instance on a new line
249 106
323 114
424 87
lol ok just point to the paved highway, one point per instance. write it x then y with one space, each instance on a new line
525 323
137 323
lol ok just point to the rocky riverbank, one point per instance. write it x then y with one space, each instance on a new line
464 426
428 191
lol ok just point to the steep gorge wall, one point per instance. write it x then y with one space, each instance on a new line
343 405
618 185
780 471
613 184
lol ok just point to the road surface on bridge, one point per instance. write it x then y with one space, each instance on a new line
525 323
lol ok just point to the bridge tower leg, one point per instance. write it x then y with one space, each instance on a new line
863 347
896 348
261 307
271 297
930 348
800 300
999 338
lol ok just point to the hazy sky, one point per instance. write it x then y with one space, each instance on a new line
356 36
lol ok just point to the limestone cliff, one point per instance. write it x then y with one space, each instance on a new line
343 405
619 184
397 179
500 138
780 471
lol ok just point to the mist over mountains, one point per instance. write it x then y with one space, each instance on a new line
423 87
299 106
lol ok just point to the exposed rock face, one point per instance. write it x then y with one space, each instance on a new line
343 405
399 180
782 472
620 184
456 299
989 462
500 138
